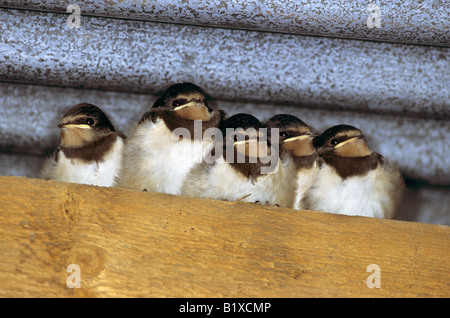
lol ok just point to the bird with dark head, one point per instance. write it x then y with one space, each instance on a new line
297 152
168 140
180 104
246 169
90 150
353 180
246 147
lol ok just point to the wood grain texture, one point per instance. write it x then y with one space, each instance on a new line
137 244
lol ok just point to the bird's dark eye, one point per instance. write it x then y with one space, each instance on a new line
179 101
334 142
90 121
284 134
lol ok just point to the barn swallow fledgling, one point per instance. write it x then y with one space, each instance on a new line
248 169
353 180
297 150
90 149
156 157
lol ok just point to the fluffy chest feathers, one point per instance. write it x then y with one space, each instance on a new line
305 178
100 173
373 194
156 161
220 181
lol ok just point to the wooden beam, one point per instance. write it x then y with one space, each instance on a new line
137 244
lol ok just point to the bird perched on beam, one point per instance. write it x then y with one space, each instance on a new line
296 150
245 168
353 180
90 149
169 140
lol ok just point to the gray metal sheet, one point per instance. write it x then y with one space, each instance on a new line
421 22
137 56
